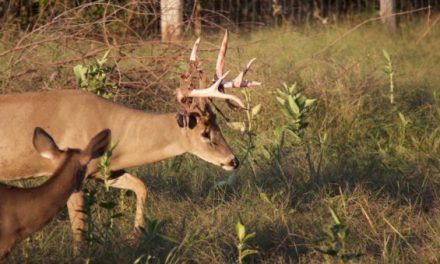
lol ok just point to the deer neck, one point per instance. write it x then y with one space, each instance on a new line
40 204
150 138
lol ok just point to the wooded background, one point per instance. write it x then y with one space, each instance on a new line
143 16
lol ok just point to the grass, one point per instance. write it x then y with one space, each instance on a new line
376 198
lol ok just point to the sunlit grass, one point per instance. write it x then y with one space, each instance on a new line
378 175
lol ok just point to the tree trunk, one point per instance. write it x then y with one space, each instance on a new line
171 20
387 8
198 19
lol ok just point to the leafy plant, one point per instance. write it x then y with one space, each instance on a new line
247 128
93 233
389 70
93 77
295 106
89 203
104 165
242 246
334 241
404 121
151 231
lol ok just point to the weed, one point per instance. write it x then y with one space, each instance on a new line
295 106
243 249
93 78
389 70
334 242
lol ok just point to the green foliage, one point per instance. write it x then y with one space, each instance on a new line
247 129
100 234
243 249
334 241
88 210
104 165
93 77
295 105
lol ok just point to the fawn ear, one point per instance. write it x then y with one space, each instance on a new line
98 144
45 145
180 118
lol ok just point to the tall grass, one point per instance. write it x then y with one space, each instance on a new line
376 199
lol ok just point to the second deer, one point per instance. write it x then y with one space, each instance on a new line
25 211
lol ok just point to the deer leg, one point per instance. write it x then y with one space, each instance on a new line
129 182
75 207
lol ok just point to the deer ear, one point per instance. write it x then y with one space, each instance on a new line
194 118
45 145
98 144
180 118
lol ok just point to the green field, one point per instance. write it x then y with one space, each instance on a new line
360 186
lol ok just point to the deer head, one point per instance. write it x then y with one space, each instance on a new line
47 148
197 117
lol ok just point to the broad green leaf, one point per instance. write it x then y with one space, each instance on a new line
281 92
309 102
334 216
386 55
240 230
281 100
289 112
301 100
293 106
292 88
236 125
295 136
256 110
248 252
249 236
80 73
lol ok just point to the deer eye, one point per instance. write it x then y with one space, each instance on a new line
206 136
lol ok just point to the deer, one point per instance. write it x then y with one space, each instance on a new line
24 211
142 137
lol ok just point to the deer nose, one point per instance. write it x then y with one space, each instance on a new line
234 163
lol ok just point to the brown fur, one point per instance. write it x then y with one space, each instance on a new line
74 116
25 211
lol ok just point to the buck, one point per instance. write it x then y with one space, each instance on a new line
25 211
74 116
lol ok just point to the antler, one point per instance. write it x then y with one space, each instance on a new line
216 90
238 82
193 57
213 92
193 64
221 57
